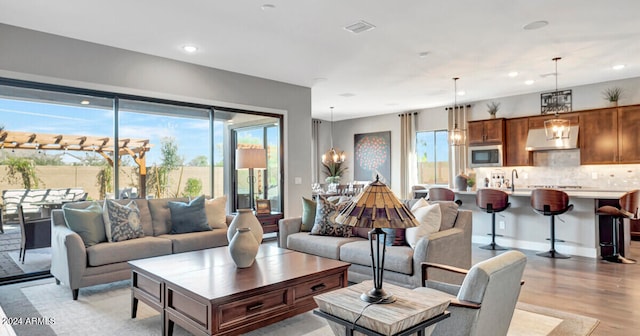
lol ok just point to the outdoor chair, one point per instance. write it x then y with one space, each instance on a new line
34 233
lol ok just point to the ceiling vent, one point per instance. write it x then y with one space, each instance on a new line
359 27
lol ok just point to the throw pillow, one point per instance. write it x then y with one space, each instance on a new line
121 222
449 210
429 218
419 204
395 237
188 217
325 223
216 212
308 214
86 222
360 232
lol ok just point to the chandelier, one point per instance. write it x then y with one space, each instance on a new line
556 128
456 135
333 155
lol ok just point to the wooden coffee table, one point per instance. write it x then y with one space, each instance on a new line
206 294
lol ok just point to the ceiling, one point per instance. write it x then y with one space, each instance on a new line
377 71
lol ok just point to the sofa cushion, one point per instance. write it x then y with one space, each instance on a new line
216 210
122 222
397 258
192 241
429 218
328 247
308 214
325 223
145 247
86 222
188 217
161 215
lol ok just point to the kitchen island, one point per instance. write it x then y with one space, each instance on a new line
523 228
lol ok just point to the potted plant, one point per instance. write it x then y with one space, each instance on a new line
493 108
613 95
334 172
471 181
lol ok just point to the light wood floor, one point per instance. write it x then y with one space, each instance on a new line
592 287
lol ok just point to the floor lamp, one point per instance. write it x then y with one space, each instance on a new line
251 158
377 208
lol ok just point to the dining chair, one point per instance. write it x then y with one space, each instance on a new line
34 233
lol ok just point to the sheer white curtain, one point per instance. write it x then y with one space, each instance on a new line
315 150
408 164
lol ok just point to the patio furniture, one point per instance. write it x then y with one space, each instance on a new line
34 234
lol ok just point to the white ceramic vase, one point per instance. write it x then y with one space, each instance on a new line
243 248
245 219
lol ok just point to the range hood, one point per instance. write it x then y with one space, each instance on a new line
537 140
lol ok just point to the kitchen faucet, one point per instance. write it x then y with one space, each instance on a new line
513 180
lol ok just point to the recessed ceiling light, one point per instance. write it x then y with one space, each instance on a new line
347 95
513 74
85 102
529 82
618 67
423 54
359 27
535 25
190 48
267 7
461 93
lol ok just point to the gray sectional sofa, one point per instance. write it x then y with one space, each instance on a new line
450 246
78 266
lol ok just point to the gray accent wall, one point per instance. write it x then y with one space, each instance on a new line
46 58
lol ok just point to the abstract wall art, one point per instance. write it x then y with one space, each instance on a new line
372 156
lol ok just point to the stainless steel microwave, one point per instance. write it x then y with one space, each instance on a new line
485 156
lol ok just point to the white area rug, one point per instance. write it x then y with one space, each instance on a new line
36 260
105 310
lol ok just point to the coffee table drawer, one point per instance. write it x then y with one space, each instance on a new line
151 287
243 310
316 287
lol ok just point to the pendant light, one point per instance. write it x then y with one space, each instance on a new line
456 135
333 155
556 128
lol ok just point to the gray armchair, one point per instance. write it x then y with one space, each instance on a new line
485 302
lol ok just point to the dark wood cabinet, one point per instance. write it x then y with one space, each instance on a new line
599 136
516 131
486 132
629 134
538 121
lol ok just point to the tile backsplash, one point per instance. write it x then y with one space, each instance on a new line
563 168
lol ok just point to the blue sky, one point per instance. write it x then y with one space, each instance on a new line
191 134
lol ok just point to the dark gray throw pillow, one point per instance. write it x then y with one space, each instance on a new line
188 217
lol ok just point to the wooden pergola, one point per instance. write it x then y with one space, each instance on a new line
104 146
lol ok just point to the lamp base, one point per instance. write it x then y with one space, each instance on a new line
377 296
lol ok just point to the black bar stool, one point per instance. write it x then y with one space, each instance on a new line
629 203
551 202
492 201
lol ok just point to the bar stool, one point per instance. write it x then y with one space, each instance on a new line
492 201
629 203
442 194
551 202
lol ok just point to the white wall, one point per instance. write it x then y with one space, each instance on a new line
47 58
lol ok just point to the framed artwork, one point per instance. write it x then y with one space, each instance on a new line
550 101
372 156
263 207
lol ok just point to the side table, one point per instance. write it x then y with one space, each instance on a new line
270 221
413 312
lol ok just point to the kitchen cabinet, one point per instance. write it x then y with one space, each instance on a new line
538 121
485 132
612 135
601 144
515 141
629 134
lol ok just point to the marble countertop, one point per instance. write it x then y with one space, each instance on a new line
579 193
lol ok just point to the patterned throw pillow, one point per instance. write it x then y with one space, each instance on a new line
122 222
325 223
